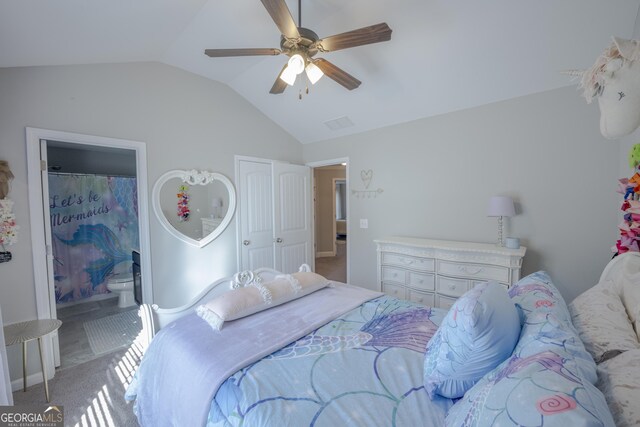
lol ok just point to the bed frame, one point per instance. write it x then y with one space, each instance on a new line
155 318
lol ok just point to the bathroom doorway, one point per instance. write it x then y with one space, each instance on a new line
93 207
93 196
331 220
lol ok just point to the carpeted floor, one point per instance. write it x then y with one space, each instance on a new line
334 268
91 393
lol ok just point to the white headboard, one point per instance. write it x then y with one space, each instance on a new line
155 318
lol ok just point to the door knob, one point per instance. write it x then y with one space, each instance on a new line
278 240
246 242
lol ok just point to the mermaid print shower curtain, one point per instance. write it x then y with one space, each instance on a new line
94 227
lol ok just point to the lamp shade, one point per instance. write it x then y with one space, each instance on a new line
288 76
313 73
216 202
296 64
501 206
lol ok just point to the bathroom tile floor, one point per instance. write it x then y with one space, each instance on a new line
74 343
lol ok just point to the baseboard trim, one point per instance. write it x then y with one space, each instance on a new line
33 379
325 254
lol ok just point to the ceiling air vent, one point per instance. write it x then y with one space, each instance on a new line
339 123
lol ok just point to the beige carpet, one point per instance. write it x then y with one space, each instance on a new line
334 268
92 393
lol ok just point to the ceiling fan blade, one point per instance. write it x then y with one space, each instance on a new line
337 74
282 17
367 35
216 53
279 85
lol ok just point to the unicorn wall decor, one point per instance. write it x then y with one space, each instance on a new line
614 80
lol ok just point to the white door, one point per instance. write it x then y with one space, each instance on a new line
292 214
44 174
255 211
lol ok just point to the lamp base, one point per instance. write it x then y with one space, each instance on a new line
500 242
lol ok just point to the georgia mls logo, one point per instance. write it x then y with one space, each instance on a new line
31 416
53 408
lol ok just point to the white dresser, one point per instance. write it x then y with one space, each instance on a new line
437 272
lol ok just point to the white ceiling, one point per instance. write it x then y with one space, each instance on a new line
443 55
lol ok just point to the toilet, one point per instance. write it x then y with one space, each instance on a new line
122 285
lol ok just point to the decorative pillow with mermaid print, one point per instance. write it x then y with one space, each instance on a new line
547 381
536 292
479 331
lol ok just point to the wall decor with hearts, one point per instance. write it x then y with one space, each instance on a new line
366 176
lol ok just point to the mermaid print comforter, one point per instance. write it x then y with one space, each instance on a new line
362 369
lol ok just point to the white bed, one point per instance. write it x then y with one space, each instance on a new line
263 390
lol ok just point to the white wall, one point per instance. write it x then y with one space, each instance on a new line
545 150
187 122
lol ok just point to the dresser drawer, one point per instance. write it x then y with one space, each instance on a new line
474 271
452 287
414 263
424 298
393 274
394 290
421 281
444 302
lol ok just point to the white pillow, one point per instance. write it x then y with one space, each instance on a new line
631 294
619 381
602 322
248 300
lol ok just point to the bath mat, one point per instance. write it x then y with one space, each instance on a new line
113 332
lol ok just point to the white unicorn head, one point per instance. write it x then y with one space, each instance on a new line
615 80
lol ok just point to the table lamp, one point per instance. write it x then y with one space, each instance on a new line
501 206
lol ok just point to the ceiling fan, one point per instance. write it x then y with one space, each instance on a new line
301 45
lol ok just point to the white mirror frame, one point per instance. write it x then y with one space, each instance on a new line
194 177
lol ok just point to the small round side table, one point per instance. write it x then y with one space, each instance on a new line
24 332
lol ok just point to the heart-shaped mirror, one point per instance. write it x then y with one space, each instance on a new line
194 206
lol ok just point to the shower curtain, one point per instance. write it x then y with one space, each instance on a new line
94 227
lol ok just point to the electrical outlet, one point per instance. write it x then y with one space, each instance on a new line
364 223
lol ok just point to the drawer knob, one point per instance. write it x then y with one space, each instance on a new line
452 286
395 274
408 261
421 281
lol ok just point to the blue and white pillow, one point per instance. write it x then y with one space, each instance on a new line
479 332
537 293
551 368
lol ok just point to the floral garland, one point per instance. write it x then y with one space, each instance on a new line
183 203
8 227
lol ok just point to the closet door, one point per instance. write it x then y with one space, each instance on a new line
292 214
256 215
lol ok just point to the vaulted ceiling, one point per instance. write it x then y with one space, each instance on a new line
443 56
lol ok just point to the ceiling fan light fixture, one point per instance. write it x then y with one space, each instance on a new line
314 73
288 76
296 64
